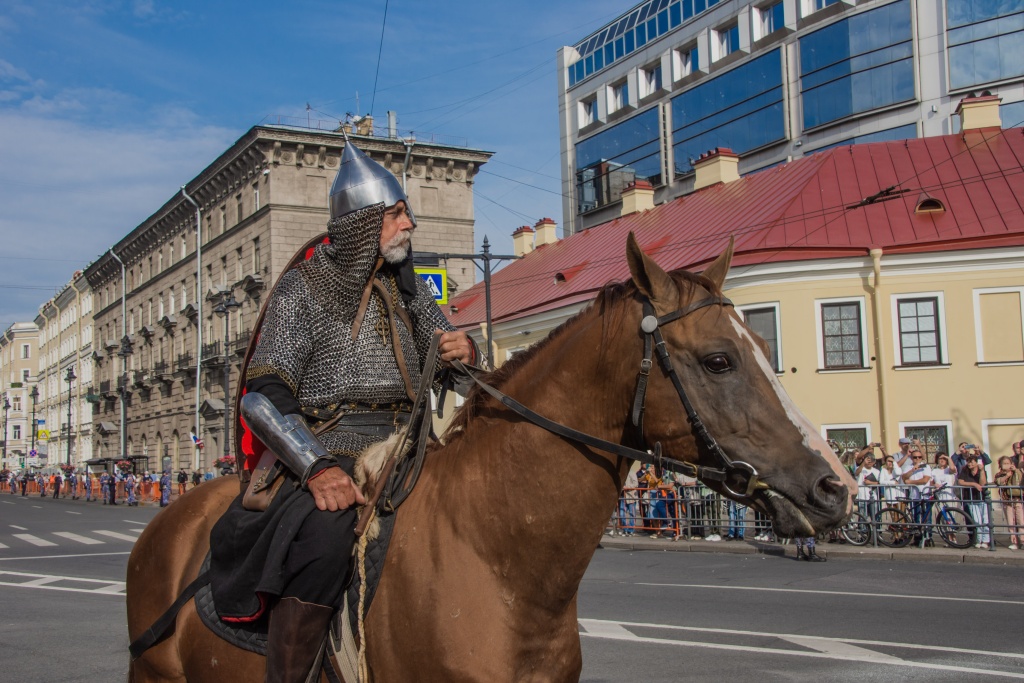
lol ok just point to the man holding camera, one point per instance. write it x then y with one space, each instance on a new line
964 451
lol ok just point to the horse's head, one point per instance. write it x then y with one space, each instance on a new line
723 369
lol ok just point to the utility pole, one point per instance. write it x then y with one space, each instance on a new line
70 378
225 308
486 256
35 396
7 406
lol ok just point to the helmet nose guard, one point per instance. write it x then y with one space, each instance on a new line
362 182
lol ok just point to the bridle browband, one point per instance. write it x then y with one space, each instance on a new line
738 478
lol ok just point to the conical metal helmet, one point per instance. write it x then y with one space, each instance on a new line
362 182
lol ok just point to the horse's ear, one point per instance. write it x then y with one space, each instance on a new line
650 279
717 271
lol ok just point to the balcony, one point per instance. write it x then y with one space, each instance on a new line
212 355
185 363
106 391
241 342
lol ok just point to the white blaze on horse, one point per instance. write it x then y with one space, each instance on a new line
487 553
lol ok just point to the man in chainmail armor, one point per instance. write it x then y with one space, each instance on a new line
340 350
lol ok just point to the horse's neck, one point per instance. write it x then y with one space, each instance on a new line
532 499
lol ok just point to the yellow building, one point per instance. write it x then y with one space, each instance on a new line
887 278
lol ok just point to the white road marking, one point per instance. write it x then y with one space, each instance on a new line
19 528
819 592
132 521
2 546
7 502
601 630
58 557
38 506
34 540
72 513
45 581
85 540
117 535
834 647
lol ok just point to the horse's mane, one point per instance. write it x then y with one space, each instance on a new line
607 299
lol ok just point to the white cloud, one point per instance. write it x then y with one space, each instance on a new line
10 72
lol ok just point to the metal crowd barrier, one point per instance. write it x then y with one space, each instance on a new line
894 516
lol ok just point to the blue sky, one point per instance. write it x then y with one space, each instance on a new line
107 107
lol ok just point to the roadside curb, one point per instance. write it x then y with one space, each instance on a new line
829 551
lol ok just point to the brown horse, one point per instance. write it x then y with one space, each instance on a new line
488 552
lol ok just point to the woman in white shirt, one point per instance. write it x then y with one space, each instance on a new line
889 480
944 474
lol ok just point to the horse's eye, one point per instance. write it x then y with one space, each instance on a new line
718 363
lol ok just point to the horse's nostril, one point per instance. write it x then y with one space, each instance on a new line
829 491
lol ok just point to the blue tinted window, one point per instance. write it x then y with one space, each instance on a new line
610 160
741 109
778 18
674 15
662 22
589 64
641 35
986 40
899 133
858 64
598 60
1012 114
687 9
609 53
620 48
630 42
699 6
652 29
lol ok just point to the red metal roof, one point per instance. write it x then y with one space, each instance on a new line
792 212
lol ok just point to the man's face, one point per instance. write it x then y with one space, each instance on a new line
917 457
395 237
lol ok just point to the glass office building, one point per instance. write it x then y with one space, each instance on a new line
648 93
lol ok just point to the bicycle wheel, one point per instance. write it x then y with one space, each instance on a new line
857 530
895 528
955 527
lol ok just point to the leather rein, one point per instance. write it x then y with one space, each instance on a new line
738 478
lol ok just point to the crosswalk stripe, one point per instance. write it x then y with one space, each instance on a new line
2 546
75 537
34 540
116 534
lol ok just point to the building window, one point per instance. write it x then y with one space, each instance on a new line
934 438
650 80
160 262
920 339
857 64
685 62
610 160
238 264
16 403
986 40
238 207
25 352
727 41
255 197
842 335
256 265
223 219
24 375
999 324
741 109
17 432
224 270
846 438
587 112
764 321
770 19
618 96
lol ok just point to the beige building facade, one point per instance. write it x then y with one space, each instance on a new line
163 351
19 346
65 325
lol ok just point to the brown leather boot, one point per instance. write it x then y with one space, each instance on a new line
297 630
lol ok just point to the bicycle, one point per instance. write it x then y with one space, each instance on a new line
955 526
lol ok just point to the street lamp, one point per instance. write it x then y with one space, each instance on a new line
69 379
7 406
224 309
125 351
35 396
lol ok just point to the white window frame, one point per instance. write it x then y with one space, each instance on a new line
645 82
26 351
866 426
616 101
586 111
897 348
986 444
781 370
760 14
682 62
820 333
16 433
720 41
980 342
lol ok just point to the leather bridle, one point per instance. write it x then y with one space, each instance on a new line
740 479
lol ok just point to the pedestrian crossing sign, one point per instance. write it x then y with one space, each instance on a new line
437 280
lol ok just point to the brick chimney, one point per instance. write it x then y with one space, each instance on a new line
638 196
545 228
979 112
720 165
522 241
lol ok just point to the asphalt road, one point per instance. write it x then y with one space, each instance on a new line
644 616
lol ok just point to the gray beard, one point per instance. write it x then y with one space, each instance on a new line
397 249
